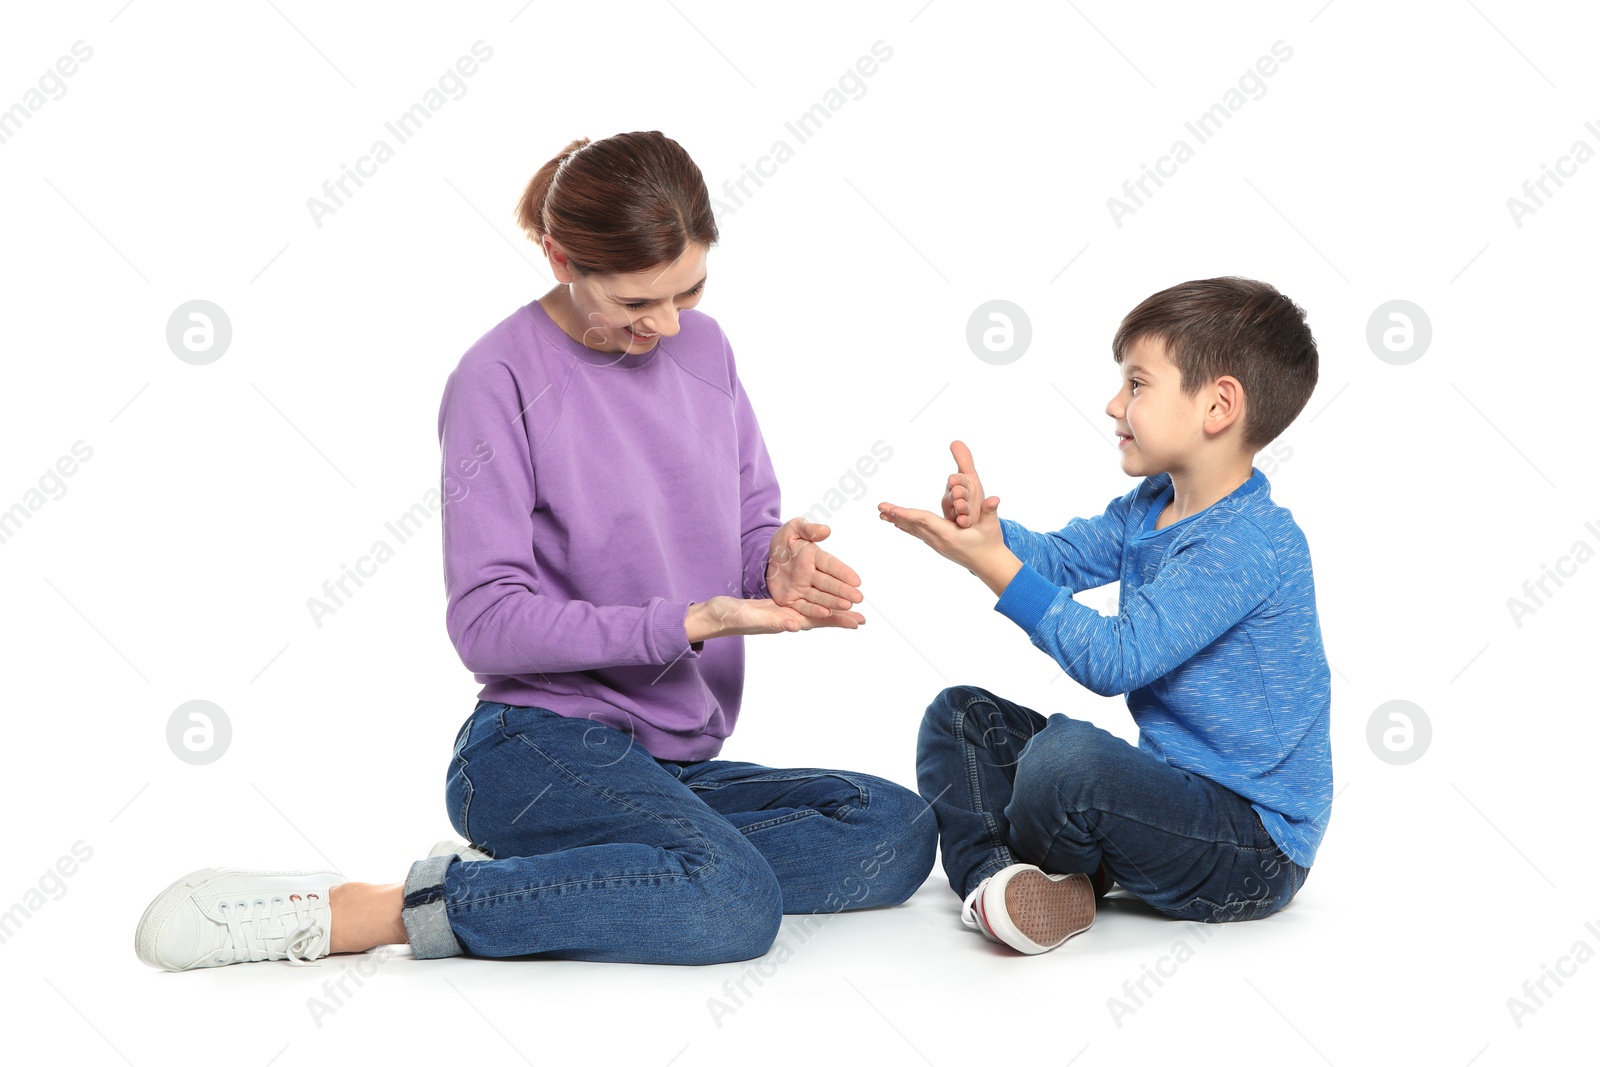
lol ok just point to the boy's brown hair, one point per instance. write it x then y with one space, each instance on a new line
1234 326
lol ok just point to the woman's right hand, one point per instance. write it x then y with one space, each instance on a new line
726 616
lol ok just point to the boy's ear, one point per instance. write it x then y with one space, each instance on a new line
1227 404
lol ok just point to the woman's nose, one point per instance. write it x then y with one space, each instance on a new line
663 322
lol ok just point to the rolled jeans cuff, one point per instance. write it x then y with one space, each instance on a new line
427 925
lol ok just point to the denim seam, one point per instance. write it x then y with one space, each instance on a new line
1000 853
790 776
807 813
1168 830
466 797
457 904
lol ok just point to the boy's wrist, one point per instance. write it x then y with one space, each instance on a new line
997 568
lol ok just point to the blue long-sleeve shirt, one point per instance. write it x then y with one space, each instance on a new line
1216 641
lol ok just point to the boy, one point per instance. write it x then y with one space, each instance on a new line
1216 815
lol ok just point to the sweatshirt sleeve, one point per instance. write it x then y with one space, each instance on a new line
496 614
1083 554
759 514
1203 589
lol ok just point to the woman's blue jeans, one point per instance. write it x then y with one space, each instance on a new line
602 852
1008 785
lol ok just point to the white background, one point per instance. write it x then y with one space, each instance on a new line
976 165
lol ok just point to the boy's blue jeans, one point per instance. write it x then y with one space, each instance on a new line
1009 786
603 852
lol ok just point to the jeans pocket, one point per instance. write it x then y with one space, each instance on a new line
514 719
458 784
458 795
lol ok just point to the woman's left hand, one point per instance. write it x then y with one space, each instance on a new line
804 577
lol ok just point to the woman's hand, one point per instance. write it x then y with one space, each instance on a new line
969 532
808 580
726 616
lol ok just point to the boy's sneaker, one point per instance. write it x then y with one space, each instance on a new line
1030 910
460 848
222 915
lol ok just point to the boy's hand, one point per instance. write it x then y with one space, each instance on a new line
962 489
803 577
967 535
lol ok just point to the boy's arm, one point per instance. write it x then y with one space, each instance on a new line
1206 587
1083 554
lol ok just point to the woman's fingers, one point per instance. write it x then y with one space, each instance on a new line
837 580
838 577
780 618
847 620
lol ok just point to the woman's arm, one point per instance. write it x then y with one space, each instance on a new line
498 617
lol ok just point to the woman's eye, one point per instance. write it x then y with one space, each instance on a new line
640 306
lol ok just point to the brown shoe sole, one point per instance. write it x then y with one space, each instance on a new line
1046 911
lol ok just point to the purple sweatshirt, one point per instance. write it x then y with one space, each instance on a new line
590 498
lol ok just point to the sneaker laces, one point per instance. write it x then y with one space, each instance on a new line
249 930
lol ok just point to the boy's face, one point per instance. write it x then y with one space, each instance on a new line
1158 428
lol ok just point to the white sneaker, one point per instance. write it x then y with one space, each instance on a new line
222 915
1030 910
460 848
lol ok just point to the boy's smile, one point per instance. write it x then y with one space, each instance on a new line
1158 428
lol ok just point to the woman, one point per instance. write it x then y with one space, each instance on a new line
611 536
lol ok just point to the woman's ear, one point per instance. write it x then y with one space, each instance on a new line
559 264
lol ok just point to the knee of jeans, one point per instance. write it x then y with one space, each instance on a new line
903 840
740 910
1059 766
942 711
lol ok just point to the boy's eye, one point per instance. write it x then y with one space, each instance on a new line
692 292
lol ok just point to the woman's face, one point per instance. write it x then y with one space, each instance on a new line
629 312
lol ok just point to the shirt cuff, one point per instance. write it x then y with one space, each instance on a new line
670 638
1026 598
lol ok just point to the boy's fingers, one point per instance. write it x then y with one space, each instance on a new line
963 457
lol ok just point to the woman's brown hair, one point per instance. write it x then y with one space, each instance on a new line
620 205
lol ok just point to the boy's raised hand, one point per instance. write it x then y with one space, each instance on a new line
962 488
969 532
